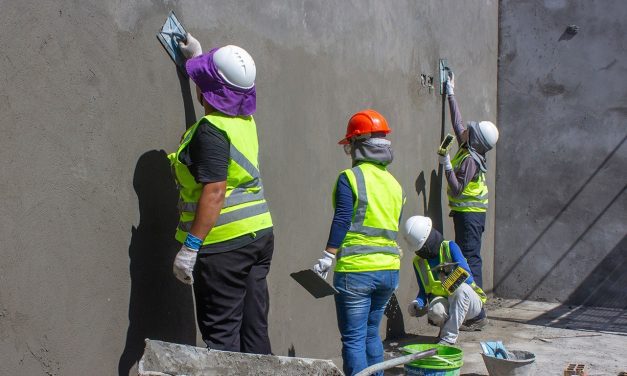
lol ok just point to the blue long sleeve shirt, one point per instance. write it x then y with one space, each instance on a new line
457 256
344 201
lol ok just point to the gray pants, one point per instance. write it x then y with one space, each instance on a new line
450 312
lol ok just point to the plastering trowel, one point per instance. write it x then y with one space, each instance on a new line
313 283
169 35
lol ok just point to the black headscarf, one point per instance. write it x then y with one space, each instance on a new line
431 248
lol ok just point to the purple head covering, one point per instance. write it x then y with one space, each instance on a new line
216 91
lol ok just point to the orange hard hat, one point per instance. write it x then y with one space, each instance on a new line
366 121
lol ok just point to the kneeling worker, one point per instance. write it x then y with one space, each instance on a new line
447 294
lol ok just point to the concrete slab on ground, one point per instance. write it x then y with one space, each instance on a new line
557 334
165 358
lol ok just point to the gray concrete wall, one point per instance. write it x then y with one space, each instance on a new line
561 204
91 104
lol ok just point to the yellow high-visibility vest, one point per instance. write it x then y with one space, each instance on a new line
245 210
474 197
370 243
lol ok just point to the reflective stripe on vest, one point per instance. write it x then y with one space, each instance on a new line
474 197
364 249
232 216
433 286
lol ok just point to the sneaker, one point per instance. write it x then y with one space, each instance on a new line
475 324
445 343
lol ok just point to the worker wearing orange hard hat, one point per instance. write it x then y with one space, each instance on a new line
368 202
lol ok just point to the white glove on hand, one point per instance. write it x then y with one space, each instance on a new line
190 47
184 265
324 264
415 310
449 85
445 161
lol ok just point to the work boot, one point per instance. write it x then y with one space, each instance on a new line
475 324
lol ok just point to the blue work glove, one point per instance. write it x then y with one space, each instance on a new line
324 264
449 84
416 309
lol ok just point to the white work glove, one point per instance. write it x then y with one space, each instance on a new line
445 161
184 265
415 310
449 84
190 47
324 264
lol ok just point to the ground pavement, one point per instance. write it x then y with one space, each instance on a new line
557 334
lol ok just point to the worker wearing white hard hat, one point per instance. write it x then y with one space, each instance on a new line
467 187
447 292
225 225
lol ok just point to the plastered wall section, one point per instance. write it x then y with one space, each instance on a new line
91 104
560 215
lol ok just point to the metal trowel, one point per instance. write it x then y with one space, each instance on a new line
169 35
313 283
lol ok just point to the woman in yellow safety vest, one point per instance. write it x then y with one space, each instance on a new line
467 188
225 225
368 202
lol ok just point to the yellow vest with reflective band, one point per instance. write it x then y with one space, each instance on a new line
244 210
434 286
370 243
474 198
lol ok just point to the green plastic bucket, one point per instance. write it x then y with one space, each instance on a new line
433 366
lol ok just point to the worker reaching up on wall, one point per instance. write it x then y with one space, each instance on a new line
368 202
467 188
225 225
447 292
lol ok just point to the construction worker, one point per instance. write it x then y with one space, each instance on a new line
443 308
467 188
225 225
368 202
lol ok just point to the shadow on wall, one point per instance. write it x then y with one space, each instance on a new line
528 252
599 303
395 327
433 208
160 306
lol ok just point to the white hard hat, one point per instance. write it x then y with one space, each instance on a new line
490 132
416 230
236 66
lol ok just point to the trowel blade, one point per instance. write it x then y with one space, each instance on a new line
313 283
169 35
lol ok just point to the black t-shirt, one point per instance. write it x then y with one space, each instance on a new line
207 157
207 154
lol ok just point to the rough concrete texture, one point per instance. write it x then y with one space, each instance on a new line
561 221
556 334
91 103
163 358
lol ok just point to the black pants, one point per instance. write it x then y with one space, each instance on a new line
232 298
468 230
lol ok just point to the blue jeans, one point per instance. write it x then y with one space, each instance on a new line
359 305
